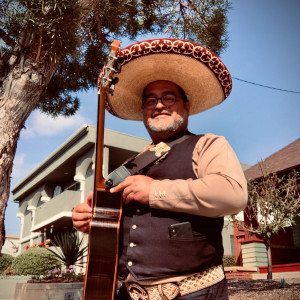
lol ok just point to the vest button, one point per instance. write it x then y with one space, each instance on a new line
134 227
138 210
130 263
131 245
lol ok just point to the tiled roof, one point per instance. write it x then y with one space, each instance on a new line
286 158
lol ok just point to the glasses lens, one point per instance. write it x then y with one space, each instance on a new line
150 102
169 99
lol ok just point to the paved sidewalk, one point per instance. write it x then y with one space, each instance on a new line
285 275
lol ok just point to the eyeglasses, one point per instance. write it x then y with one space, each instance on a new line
166 100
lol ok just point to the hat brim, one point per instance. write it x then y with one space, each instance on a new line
200 73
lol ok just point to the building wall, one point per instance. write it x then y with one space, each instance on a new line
296 232
227 235
254 254
27 224
89 180
11 245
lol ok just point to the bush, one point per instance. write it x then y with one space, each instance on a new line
229 260
35 261
5 262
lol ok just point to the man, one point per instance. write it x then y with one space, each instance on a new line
173 217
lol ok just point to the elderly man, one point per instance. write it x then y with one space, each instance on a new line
174 208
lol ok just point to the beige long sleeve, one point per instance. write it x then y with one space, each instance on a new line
220 188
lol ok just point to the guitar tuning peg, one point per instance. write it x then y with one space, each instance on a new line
111 89
120 59
114 80
118 64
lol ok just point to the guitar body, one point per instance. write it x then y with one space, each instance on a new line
103 247
102 258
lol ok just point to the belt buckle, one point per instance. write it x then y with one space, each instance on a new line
136 292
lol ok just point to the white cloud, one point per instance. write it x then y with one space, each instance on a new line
18 164
21 168
43 125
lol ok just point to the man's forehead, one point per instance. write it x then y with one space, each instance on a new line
161 84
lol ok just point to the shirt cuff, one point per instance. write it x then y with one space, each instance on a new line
166 194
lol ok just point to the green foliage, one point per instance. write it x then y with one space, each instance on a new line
53 30
69 248
282 283
35 26
204 21
273 203
34 261
5 262
228 260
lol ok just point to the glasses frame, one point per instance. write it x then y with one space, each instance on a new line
162 100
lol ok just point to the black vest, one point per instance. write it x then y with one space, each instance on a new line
146 249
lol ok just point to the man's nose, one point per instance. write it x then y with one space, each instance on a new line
159 104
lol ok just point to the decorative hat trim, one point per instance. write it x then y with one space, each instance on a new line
201 74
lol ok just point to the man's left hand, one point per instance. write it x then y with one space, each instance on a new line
135 188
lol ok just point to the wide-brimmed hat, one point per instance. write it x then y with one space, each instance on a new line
197 70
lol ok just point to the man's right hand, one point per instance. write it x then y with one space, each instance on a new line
82 214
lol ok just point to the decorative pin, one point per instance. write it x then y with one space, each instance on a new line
160 148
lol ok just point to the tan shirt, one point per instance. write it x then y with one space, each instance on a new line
220 188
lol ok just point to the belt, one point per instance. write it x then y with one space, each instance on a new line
168 291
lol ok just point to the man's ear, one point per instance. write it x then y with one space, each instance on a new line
187 105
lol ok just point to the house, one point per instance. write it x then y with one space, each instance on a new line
48 194
285 246
11 245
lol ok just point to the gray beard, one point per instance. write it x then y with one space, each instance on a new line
168 128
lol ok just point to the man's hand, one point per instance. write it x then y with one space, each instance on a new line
82 214
135 188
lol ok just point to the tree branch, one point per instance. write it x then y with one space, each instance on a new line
40 45
100 32
7 39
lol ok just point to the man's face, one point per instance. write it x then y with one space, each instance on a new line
162 118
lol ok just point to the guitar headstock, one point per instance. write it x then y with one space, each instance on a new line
106 75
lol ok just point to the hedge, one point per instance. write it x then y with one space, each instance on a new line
5 261
229 260
35 261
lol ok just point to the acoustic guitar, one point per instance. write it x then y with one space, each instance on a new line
102 258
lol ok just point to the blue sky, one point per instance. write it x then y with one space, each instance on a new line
264 48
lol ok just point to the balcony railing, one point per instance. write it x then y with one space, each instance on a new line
61 205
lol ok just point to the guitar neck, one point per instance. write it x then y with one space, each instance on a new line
102 258
99 179
105 78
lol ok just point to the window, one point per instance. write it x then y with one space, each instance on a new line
57 191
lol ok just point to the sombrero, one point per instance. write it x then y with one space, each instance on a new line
200 73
